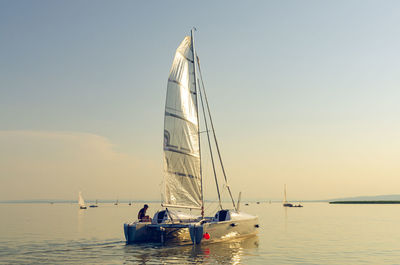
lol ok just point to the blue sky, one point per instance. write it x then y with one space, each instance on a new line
303 92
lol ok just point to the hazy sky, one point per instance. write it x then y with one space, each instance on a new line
302 92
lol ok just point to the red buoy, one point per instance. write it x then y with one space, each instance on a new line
206 236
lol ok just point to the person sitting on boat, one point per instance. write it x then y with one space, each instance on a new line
142 214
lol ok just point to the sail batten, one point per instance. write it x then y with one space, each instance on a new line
178 117
182 178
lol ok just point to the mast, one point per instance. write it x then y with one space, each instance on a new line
198 121
284 194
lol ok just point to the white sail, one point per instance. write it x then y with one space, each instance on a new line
81 202
182 180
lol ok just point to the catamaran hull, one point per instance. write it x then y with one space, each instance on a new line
147 232
221 231
190 233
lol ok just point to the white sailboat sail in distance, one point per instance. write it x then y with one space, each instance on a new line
182 178
81 201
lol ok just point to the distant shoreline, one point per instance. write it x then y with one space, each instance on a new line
72 201
75 201
364 202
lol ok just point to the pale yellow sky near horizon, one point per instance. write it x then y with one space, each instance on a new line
56 165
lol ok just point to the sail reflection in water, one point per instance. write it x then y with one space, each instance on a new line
234 251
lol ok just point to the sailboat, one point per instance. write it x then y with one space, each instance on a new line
286 203
93 205
183 173
81 201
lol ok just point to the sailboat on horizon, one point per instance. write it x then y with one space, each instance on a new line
183 172
286 203
81 201
94 205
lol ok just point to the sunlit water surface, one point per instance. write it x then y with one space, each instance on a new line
318 233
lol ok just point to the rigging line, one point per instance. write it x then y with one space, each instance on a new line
215 137
211 153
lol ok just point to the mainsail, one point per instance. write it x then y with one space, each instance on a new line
182 178
81 202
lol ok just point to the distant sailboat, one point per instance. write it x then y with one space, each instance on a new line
183 173
94 205
81 201
116 202
286 203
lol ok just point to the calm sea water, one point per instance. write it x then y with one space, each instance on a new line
319 233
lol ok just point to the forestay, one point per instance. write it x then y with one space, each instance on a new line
182 178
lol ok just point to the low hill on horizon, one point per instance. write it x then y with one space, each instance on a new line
391 197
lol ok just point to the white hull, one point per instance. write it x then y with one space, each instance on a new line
222 231
207 230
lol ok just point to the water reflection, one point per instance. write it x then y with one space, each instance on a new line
81 214
231 252
286 218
